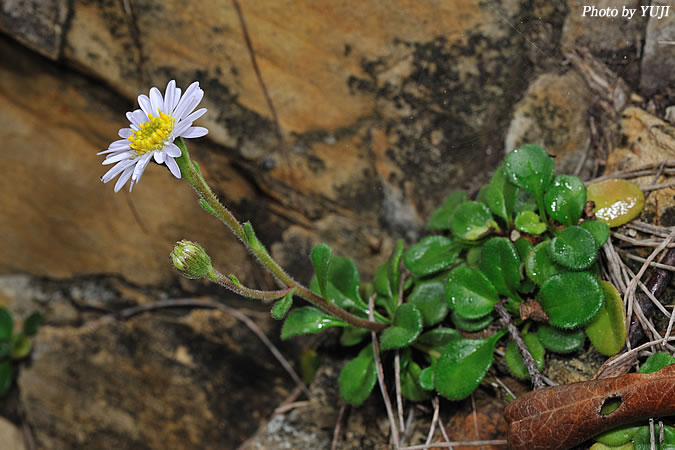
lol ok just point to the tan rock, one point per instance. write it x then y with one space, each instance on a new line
10 436
57 218
553 114
645 139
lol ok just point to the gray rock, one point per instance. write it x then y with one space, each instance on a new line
658 60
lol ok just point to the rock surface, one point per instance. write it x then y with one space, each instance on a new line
658 61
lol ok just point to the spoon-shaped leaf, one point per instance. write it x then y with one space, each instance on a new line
617 201
358 377
500 263
574 248
500 195
440 218
471 294
560 341
599 230
471 221
429 298
539 266
430 255
515 362
463 365
306 320
405 328
571 299
565 199
607 331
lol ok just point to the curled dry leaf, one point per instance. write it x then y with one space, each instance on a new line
564 416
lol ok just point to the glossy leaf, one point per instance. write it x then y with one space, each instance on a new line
574 248
656 362
306 320
5 348
405 328
21 346
618 436
352 336
515 362
607 331
530 168
440 218
394 265
530 222
6 324
469 324
560 341
358 377
617 201
565 199
599 230
470 293
430 255
500 195
426 379
463 365
539 266
282 306
344 276
429 298
571 299
321 258
500 263
471 221
6 374
381 280
410 384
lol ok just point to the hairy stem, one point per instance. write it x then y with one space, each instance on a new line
192 175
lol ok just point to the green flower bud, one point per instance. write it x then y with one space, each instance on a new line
190 259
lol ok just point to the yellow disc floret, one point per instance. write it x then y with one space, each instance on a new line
152 134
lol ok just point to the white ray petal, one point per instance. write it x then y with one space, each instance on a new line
172 150
156 100
124 178
144 103
168 96
118 157
195 132
173 167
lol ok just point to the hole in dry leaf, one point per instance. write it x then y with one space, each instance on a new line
610 405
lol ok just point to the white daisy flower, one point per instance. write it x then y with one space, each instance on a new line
153 128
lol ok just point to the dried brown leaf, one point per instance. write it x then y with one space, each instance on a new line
564 416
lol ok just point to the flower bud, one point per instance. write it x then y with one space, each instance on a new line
190 259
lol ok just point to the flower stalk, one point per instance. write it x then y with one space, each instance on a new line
191 173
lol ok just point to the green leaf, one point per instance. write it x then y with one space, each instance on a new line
438 337
642 438
395 267
381 280
524 202
32 323
599 230
616 201
500 195
571 299
321 258
565 199
539 266
405 328
430 255
426 378
358 377
500 263
530 168
440 219
282 306
6 324
469 324
656 362
21 346
410 383
471 294
515 362
529 222
523 246
471 221
574 247
344 283
5 348
309 365
5 377
560 341
618 436
306 320
352 336
473 257
429 298
607 331
463 365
